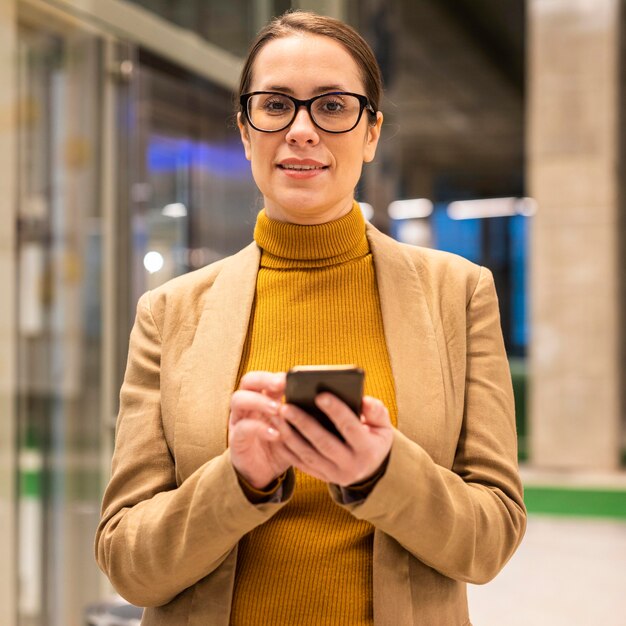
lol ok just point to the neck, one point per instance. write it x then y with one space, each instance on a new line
289 245
308 217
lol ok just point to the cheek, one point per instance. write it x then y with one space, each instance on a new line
261 159
258 172
352 156
262 152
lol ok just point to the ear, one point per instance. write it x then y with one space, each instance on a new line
371 139
245 135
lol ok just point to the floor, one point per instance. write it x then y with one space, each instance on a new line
567 571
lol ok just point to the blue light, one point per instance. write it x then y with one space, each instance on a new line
462 237
225 160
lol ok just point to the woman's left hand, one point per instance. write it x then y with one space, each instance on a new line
322 455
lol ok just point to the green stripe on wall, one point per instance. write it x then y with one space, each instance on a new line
30 484
576 502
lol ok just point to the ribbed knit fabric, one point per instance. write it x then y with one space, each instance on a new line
316 303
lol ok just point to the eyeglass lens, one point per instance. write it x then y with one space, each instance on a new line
330 112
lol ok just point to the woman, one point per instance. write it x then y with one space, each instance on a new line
211 519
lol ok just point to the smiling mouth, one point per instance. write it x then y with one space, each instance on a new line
302 168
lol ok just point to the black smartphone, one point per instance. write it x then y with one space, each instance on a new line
304 382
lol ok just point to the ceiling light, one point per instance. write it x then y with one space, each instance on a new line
176 209
491 207
367 210
410 209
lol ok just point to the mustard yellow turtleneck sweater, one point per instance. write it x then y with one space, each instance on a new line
316 303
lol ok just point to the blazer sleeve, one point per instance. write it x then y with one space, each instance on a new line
155 537
467 521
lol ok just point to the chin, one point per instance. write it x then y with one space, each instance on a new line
302 205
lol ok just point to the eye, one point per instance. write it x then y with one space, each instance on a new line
330 105
276 105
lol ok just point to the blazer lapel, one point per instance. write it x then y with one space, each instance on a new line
411 342
212 363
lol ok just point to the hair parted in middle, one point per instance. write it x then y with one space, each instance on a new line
309 23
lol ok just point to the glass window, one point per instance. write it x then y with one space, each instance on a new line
193 198
59 324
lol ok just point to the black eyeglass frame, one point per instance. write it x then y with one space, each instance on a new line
363 100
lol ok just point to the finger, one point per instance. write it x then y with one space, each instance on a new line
325 443
307 458
282 453
374 412
246 432
271 383
342 416
244 403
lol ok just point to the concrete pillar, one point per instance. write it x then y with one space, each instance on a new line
573 141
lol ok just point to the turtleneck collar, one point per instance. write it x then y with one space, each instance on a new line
287 245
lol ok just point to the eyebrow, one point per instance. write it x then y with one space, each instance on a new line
317 90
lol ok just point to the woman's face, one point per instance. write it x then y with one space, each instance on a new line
304 66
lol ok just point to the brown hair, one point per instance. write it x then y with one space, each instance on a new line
294 22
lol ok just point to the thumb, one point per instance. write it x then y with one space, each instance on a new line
374 412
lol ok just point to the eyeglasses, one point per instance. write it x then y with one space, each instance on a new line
336 112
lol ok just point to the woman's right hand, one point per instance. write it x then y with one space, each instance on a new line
256 450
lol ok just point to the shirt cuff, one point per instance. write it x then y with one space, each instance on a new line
359 491
272 493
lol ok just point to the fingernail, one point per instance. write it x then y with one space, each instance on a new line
278 379
272 432
274 406
324 401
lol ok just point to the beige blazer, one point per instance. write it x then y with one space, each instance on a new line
448 510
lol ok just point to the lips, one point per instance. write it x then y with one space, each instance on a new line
302 168
301 165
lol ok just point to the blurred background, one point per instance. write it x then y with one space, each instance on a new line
121 167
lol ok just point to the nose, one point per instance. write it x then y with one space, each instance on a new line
302 130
